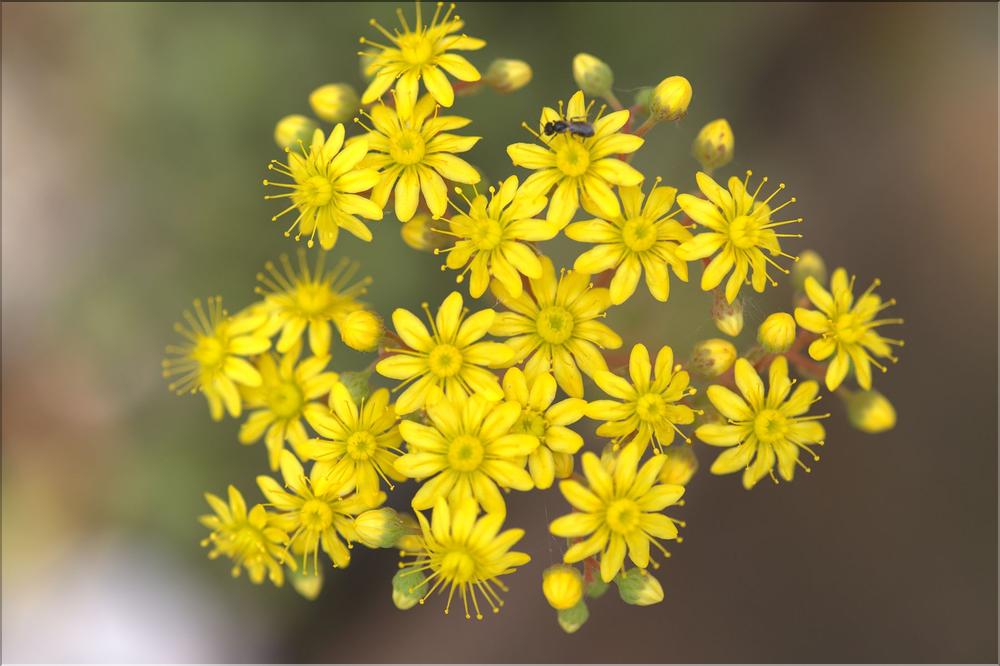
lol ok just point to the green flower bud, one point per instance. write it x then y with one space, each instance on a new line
711 358
562 586
870 411
408 587
505 76
379 528
292 129
810 264
777 333
597 587
714 145
356 384
334 102
642 99
728 317
411 540
638 588
592 75
573 618
670 99
308 585
680 466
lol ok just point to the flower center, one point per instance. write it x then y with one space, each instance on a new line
465 453
639 234
408 147
770 425
650 407
555 324
361 445
312 299
285 400
623 516
316 515
445 361
486 233
531 423
416 50
847 328
316 191
572 158
743 232
209 352
458 566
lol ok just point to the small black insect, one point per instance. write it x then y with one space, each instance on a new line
579 127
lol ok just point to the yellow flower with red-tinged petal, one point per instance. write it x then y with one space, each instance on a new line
578 167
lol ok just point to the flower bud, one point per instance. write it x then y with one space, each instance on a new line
419 232
592 75
680 466
292 129
642 98
573 618
308 585
597 587
361 330
368 66
670 99
713 147
870 411
638 588
563 464
409 585
505 76
777 333
728 317
356 383
411 540
810 264
562 586
334 102
379 528
711 358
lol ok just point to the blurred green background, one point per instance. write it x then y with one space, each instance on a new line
134 140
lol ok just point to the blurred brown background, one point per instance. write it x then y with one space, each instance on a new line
134 138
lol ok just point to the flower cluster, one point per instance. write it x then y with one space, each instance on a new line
514 381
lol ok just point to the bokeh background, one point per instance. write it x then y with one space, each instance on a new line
134 140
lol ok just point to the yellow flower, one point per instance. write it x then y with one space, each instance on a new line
576 166
848 328
540 418
317 512
317 299
420 53
642 237
359 444
250 539
415 154
769 425
489 240
740 229
649 405
557 326
468 450
286 395
450 357
327 180
620 511
465 553
210 358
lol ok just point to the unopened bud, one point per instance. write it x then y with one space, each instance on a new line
777 333
870 411
334 102
292 129
642 98
506 76
379 528
638 588
680 466
361 330
411 539
597 587
670 99
573 618
419 232
562 586
368 66
563 464
409 585
357 384
810 264
711 358
714 145
728 317
592 75
308 585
